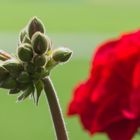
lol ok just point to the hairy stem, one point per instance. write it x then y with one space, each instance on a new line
55 109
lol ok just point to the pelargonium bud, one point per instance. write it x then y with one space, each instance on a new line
40 43
13 67
25 52
22 34
3 73
26 39
61 55
30 67
9 83
40 60
35 25
24 77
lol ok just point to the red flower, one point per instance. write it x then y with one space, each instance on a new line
109 100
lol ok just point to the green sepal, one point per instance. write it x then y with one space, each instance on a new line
26 93
39 87
14 91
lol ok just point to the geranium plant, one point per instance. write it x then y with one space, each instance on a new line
28 72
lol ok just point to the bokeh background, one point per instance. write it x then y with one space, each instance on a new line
78 24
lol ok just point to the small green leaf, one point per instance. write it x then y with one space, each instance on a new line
14 91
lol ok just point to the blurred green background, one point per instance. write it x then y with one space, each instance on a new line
77 24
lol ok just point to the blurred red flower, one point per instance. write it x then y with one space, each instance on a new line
109 100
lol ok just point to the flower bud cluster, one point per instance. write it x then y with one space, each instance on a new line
34 61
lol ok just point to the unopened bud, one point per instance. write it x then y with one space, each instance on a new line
3 73
35 25
40 60
25 52
30 67
26 39
61 55
9 83
24 77
13 67
40 43
22 34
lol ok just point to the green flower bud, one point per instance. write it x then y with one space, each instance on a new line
39 60
13 67
35 25
22 34
26 39
40 43
25 53
3 73
61 55
30 67
40 73
9 83
24 77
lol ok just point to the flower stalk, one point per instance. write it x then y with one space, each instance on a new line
55 110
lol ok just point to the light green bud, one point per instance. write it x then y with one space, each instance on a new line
35 25
40 43
61 55
25 52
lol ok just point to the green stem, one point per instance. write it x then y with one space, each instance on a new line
55 109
